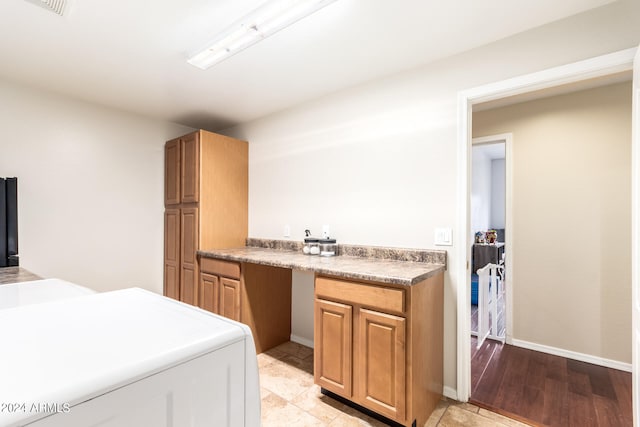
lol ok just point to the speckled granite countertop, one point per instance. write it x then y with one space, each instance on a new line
15 275
349 267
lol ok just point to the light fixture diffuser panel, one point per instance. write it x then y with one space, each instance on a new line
56 6
263 22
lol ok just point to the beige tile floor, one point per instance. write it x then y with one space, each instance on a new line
291 399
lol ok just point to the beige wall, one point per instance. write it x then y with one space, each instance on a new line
90 185
571 218
377 162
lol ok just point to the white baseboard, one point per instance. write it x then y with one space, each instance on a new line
450 392
301 340
608 363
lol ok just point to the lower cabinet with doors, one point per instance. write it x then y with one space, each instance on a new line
220 288
181 228
380 345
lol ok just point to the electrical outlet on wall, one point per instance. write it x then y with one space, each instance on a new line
443 237
325 232
287 231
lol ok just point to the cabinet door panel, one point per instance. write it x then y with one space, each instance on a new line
189 235
172 281
230 298
190 168
333 351
209 292
172 253
172 172
188 283
188 248
381 371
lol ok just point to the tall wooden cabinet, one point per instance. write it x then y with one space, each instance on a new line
206 205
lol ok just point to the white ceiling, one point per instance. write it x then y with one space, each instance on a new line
491 150
131 54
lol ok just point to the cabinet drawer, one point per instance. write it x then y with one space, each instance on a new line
380 297
220 267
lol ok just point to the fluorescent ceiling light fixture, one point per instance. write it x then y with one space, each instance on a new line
55 6
268 19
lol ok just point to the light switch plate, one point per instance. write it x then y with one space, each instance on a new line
443 237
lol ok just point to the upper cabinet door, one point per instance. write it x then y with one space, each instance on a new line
190 171
172 172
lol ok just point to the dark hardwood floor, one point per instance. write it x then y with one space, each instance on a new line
548 390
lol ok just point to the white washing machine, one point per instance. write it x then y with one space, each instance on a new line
39 291
123 358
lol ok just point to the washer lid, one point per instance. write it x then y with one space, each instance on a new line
72 350
38 291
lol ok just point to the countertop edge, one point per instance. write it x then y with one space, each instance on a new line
434 269
383 279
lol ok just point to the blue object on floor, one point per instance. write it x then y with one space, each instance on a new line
474 289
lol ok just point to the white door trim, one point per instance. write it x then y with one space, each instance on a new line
507 138
595 67
635 240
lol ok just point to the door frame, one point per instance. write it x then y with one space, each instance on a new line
583 70
507 139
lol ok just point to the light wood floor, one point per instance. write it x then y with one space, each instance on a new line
289 398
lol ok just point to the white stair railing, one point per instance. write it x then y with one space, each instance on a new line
488 304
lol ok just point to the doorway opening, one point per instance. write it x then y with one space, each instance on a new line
571 149
489 213
558 77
